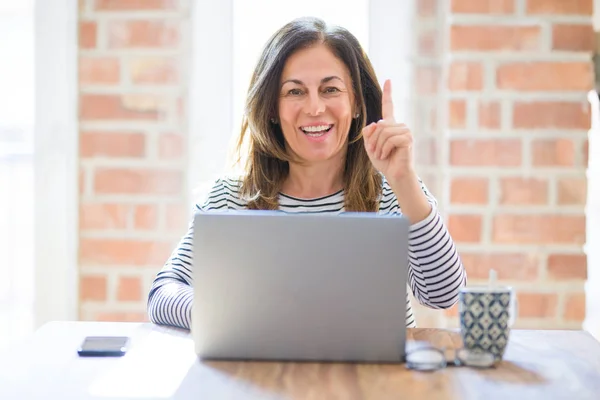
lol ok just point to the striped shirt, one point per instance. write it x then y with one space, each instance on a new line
435 270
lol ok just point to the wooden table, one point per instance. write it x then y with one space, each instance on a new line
161 364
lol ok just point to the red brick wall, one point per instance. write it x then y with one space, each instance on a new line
513 82
501 119
132 83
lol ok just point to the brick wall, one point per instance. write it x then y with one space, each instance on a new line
500 116
514 79
132 82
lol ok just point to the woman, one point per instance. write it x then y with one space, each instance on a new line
321 137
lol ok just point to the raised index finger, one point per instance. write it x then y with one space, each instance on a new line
387 106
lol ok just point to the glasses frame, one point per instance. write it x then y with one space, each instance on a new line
463 357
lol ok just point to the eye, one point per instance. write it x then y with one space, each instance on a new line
294 92
331 89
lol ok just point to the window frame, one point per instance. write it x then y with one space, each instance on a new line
389 25
56 162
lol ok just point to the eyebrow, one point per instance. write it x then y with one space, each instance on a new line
324 80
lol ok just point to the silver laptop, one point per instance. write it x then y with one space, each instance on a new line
300 287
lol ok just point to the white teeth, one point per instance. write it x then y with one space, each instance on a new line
315 129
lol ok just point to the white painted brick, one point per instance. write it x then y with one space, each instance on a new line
87 180
506 115
85 10
167 93
539 323
579 156
151 149
529 210
111 283
122 269
486 227
162 217
542 263
138 163
520 7
146 15
489 77
129 198
134 126
124 71
541 96
131 234
519 56
171 110
93 308
493 192
526 157
511 171
546 287
546 35
138 52
472 113
483 134
519 248
101 35
510 20
552 192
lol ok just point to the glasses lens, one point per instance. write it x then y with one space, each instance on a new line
475 358
427 359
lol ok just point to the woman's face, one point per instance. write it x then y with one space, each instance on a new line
315 104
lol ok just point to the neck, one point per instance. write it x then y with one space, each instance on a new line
315 180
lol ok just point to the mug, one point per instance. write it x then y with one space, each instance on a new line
486 315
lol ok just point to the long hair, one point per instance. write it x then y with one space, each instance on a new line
266 159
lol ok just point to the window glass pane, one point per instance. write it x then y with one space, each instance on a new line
255 21
16 169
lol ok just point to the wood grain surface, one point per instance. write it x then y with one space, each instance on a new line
162 364
537 365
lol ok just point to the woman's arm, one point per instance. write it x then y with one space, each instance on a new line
435 272
171 296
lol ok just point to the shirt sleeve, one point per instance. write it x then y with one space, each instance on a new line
171 295
435 270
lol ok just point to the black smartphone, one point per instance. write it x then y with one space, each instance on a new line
104 346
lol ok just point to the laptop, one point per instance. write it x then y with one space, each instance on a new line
270 285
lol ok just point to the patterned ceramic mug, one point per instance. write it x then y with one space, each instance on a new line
486 315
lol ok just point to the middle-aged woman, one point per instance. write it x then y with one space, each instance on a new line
321 137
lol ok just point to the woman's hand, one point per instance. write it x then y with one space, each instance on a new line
389 146
388 143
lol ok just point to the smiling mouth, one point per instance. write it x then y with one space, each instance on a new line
316 131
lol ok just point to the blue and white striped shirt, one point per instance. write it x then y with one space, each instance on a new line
435 270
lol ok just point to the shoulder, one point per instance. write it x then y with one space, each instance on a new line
223 193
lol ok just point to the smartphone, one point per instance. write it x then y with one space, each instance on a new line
104 346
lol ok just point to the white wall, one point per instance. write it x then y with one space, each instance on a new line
592 321
16 170
56 154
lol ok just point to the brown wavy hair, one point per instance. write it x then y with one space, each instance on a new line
267 161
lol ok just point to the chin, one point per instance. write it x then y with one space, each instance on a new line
318 156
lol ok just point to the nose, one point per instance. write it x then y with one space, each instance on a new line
314 104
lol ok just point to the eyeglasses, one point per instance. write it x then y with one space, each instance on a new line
430 358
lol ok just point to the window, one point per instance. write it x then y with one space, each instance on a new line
253 25
16 170
222 66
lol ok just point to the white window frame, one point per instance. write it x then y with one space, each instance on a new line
592 319
211 91
56 159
